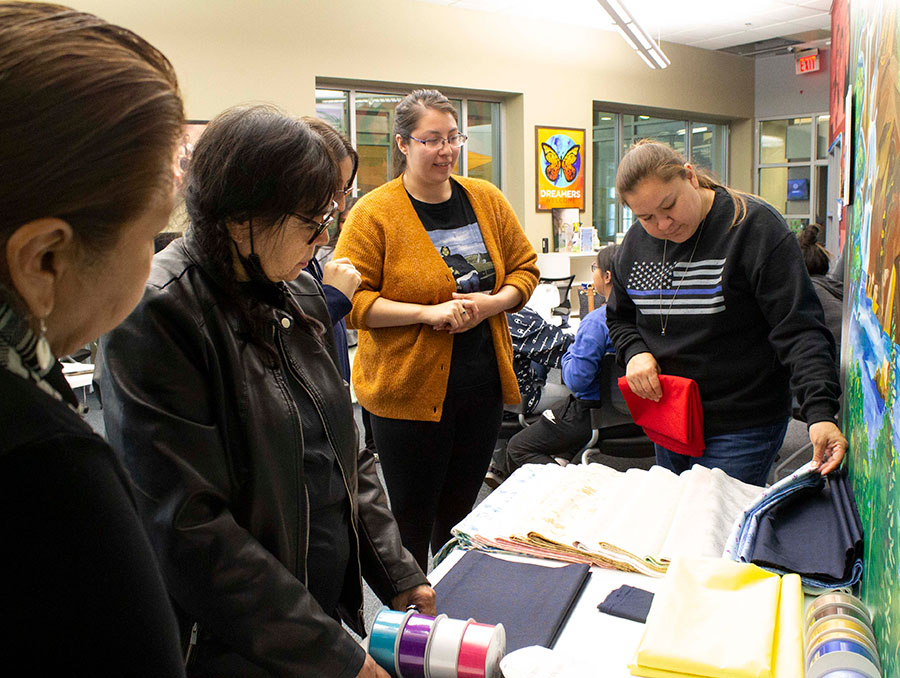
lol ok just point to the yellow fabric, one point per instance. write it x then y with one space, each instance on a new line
789 629
716 618
401 372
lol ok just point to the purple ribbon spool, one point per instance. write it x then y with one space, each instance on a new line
413 641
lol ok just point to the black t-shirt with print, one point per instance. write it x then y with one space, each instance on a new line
453 228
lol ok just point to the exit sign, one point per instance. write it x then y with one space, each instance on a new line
806 61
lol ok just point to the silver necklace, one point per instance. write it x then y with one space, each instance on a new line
663 324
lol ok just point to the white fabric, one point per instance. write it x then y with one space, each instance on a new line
635 521
543 300
539 662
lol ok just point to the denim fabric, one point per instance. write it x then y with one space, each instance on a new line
743 539
747 454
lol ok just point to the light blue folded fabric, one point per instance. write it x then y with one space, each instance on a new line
742 539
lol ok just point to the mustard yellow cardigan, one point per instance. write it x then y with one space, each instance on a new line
401 372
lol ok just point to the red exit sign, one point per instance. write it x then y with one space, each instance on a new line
807 62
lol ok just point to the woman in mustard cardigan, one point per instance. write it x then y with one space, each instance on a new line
441 258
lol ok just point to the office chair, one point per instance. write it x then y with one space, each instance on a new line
564 285
614 431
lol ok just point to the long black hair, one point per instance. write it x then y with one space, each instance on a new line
254 165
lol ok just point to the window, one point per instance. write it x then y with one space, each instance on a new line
704 143
791 168
369 129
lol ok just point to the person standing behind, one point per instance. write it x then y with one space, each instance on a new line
561 432
339 278
709 284
441 258
90 115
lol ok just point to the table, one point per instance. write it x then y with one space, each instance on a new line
605 642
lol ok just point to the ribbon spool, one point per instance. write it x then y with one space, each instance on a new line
840 634
443 649
383 638
840 622
413 641
844 673
839 609
840 600
841 656
434 632
482 648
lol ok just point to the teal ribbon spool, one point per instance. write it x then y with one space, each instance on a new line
383 639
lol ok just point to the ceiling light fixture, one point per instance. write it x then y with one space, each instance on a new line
634 34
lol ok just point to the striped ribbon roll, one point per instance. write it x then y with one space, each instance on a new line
483 646
383 638
443 651
413 641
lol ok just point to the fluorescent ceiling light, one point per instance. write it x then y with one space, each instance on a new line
634 34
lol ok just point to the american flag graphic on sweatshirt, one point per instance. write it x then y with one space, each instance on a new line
687 288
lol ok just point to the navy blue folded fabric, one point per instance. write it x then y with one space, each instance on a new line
628 602
815 532
531 601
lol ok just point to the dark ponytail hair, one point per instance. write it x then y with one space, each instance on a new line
816 257
254 165
90 116
605 257
408 113
337 143
648 158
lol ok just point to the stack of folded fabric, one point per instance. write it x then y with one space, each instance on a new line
635 521
720 619
803 524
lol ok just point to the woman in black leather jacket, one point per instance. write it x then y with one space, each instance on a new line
222 391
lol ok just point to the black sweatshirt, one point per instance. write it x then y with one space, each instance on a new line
740 314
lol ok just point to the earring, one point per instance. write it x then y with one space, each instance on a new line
42 351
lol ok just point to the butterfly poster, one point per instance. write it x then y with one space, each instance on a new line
560 167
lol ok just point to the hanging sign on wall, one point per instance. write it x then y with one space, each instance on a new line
559 167
806 61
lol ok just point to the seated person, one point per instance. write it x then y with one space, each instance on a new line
829 289
562 431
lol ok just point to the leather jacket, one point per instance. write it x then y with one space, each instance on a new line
211 435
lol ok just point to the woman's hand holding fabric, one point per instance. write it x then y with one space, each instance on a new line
829 446
421 596
642 374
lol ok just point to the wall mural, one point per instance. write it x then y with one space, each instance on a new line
872 351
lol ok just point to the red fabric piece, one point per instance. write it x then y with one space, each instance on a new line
676 421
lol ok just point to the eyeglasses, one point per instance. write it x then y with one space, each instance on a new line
455 141
594 267
317 226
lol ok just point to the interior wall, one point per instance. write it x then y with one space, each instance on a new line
232 51
871 343
781 92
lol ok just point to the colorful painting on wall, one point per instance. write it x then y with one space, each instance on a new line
871 353
560 167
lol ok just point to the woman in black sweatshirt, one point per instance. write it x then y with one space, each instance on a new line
712 287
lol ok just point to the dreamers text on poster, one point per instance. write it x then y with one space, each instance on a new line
559 167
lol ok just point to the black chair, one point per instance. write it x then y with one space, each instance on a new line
614 431
564 285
